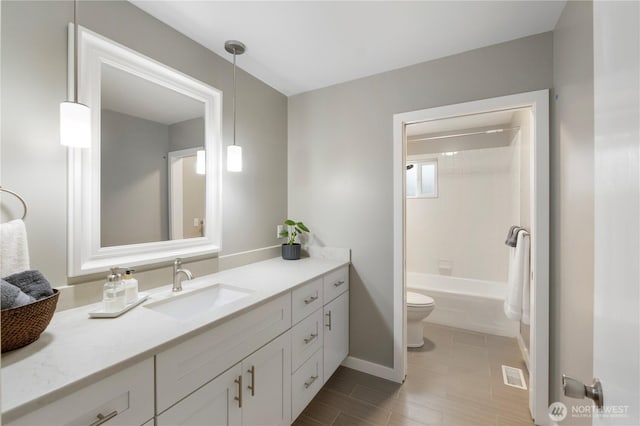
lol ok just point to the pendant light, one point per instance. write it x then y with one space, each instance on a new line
234 152
75 118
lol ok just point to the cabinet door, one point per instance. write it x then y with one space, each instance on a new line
267 384
213 404
124 398
336 333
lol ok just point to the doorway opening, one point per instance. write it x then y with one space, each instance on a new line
463 174
186 193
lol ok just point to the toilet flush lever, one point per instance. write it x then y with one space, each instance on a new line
576 389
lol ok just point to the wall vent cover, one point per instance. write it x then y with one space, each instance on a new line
514 377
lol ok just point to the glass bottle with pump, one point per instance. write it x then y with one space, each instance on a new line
113 295
130 287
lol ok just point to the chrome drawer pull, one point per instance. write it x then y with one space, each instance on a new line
239 397
310 381
310 299
252 370
103 419
328 315
310 339
338 284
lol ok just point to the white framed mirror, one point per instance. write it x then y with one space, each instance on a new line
133 198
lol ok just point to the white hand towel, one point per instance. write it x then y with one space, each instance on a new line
14 250
516 304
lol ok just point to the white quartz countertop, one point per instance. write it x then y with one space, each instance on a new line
76 350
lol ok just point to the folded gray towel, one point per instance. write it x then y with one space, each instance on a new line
13 297
31 282
512 236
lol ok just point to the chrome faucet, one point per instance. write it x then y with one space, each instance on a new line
177 270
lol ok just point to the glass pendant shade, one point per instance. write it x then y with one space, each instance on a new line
200 163
234 158
75 125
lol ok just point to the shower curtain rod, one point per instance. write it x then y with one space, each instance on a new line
456 135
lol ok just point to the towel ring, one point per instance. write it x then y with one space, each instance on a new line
24 203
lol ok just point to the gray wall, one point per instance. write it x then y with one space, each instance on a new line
572 198
133 180
34 75
340 168
186 134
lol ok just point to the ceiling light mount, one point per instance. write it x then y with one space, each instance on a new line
235 47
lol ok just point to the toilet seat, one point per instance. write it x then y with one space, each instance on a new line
418 300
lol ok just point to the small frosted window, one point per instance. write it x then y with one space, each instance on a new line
412 182
422 179
429 179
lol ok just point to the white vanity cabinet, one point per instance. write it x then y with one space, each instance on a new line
336 333
260 365
125 398
190 364
195 374
336 319
255 391
319 336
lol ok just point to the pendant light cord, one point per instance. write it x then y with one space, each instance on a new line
234 97
75 51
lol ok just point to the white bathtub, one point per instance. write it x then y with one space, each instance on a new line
465 303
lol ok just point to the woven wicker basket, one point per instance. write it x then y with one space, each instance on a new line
23 325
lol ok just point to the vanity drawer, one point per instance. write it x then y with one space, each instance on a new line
305 383
192 363
126 397
335 283
306 339
306 299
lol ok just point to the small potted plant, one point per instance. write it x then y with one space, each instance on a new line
291 249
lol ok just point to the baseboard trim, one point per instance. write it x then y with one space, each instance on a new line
369 367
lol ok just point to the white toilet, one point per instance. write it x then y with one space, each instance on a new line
419 307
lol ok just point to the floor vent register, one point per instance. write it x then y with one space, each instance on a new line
513 377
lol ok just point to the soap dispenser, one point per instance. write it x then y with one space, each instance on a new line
130 287
113 294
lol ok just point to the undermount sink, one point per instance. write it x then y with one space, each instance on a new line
196 302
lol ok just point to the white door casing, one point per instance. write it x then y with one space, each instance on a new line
616 334
538 101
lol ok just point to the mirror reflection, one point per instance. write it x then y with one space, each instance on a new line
152 186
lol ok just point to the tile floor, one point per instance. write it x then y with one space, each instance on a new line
454 380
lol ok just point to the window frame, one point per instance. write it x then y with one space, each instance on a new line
418 163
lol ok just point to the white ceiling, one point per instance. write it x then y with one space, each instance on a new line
297 46
132 95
